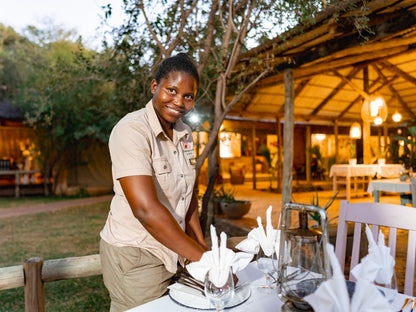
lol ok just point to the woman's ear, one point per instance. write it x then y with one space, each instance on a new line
153 86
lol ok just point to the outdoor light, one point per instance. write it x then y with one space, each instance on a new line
374 107
320 136
355 131
194 118
378 121
397 116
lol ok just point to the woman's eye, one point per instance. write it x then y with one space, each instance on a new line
189 97
170 90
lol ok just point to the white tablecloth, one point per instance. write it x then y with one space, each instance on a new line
383 171
258 302
389 185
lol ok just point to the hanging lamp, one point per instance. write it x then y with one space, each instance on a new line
355 131
397 117
374 106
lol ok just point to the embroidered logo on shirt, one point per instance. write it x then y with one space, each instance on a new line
187 145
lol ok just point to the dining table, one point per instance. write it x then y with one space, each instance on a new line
388 185
359 176
258 301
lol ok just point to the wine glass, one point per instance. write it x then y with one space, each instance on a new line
268 265
389 288
219 292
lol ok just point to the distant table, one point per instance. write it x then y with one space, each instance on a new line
388 185
360 174
17 182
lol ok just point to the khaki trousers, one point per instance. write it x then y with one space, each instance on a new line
132 276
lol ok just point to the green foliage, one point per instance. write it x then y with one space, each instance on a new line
408 157
225 194
315 202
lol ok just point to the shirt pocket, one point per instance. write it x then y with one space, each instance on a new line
161 166
163 173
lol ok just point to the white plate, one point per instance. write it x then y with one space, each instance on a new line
192 298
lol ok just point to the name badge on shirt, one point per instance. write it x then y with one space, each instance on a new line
188 151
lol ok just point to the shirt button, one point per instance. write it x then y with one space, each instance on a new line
174 152
183 198
181 175
164 167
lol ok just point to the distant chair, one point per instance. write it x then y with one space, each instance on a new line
378 214
409 198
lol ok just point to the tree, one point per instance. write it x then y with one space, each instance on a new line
62 95
215 33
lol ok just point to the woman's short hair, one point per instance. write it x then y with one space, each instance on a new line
180 62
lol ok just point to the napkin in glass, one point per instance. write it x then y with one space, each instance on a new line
378 265
332 295
218 261
268 240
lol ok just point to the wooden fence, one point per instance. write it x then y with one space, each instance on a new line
35 272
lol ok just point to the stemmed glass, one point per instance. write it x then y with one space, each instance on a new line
389 289
268 265
219 295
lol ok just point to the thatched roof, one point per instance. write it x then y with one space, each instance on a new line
8 111
329 61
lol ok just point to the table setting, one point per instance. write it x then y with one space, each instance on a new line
284 269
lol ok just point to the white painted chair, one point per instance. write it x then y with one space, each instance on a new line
377 214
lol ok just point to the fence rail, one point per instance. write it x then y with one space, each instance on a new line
35 272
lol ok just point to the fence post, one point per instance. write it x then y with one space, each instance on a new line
34 289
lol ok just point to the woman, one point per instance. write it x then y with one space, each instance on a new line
153 222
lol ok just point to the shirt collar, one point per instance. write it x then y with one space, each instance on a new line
180 130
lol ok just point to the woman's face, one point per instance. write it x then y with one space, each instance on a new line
173 96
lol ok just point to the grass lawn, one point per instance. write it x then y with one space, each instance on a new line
11 202
67 233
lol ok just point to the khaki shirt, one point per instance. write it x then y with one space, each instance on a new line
138 146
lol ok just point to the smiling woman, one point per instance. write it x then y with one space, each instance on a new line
153 222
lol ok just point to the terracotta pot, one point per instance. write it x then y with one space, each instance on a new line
235 210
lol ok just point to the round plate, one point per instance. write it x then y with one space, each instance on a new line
200 302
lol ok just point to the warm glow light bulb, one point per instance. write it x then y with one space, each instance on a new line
397 116
378 121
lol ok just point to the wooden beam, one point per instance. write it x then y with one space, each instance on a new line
353 60
402 102
351 84
350 75
398 71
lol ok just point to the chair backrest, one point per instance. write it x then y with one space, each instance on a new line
378 214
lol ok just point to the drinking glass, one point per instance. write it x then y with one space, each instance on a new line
389 289
219 295
268 265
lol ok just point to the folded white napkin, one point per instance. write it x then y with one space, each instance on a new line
218 261
268 240
378 265
332 295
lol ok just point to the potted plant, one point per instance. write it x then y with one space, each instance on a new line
353 155
381 156
232 207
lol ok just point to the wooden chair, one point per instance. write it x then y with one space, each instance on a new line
409 198
378 214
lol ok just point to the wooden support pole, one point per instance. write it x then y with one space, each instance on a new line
308 154
34 289
253 138
288 137
366 125
336 130
279 155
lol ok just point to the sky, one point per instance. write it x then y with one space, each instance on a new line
83 16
